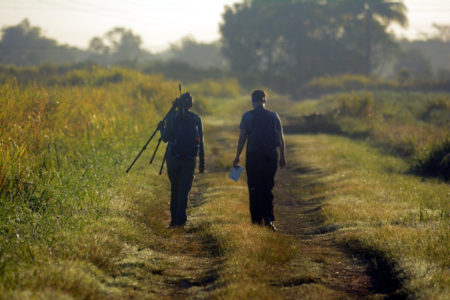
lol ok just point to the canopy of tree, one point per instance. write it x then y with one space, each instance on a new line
119 45
201 55
24 45
286 42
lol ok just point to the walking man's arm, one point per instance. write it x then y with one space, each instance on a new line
201 165
240 146
282 151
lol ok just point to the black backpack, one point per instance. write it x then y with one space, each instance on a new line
187 137
264 129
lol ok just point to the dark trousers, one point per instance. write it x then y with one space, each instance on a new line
261 168
181 176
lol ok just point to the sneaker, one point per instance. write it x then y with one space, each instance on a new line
271 225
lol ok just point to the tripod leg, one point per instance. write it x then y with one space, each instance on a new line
162 164
156 130
154 153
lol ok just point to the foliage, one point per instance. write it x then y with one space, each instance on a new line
434 161
399 122
351 82
223 88
179 70
197 54
61 149
345 82
119 45
379 209
285 43
435 51
354 105
207 91
24 44
414 61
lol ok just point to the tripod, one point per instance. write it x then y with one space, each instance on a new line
174 106
157 146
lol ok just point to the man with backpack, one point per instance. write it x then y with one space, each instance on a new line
183 131
262 128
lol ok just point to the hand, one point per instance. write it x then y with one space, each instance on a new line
201 169
161 125
236 162
282 162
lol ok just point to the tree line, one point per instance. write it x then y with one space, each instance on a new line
279 43
285 43
25 45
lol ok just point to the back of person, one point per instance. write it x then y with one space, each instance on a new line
186 141
263 131
184 132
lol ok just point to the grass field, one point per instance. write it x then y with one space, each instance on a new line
353 221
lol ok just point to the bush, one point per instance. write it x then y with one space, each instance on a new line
341 83
352 82
314 123
437 111
354 105
434 162
220 88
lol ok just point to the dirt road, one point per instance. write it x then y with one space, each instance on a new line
298 209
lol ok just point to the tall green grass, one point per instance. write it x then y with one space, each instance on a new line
353 82
379 211
62 150
400 123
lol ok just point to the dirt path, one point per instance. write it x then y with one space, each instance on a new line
181 267
192 271
298 209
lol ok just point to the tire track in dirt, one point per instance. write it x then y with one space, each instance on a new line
179 263
299 197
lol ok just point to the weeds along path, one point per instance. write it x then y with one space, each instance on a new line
299 195
164 263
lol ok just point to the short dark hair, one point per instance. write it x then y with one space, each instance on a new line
259 96
187 99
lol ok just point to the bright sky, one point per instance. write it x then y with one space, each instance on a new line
161 22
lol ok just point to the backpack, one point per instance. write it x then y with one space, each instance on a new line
264 129
186 141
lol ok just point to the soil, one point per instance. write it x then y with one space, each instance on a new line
298 209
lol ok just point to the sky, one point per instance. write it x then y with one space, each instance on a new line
164 22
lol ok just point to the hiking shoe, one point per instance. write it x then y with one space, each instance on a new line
271 225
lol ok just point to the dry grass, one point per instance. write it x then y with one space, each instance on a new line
380 209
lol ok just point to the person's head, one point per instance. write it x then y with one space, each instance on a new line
187 100
258 98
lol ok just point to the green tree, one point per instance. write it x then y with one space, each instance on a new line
414 61
24 44
371 18
284 43
119 45
197 54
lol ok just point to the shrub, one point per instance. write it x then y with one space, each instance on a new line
352 82
345 82
355 105
434 161
437 111
221 88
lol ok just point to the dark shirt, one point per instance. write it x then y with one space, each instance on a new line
246 124
168 132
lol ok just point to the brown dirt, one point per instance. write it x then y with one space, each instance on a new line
298 209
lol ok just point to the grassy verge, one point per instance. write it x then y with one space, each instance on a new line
62 151
380 211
